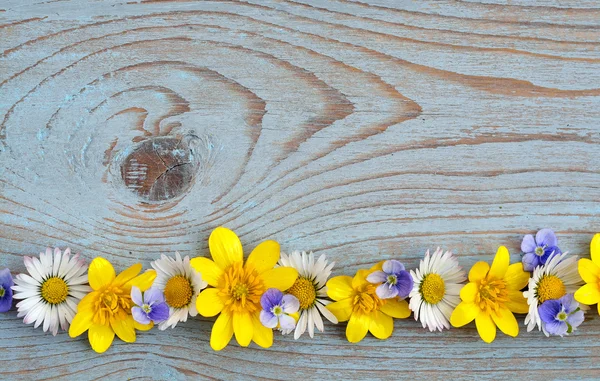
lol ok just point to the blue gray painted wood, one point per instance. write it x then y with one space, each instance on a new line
364 130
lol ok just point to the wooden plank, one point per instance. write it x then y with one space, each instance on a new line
364 130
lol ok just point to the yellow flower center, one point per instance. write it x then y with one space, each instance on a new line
241 289
433 288
178 291
550 287
492 295
55 290
304 290
111 304
2 292
366 299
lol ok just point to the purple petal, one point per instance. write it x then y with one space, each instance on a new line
377 277
290 304
530 261
528 245
576 319
392 266
154 296
549 252
136 296
159 312
139 315
287 322
546 237
6 300
549 309
404 284
272 297
268 319
556 327
569 303
384 291
6 280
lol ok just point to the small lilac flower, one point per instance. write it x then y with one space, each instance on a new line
537 250
6 293
277 309
560 316
149 308
395 280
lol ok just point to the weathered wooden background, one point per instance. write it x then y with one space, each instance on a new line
364 130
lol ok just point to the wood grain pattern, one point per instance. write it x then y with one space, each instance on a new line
362 129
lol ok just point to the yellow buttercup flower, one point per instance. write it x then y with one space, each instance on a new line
491 297
106 310
356 302
589 270
238 288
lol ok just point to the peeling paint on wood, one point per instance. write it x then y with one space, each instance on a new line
364 130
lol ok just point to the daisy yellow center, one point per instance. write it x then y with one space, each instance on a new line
304 290
240 289
550 287
433 288
54 290
366 300
178 291
492 295
111 304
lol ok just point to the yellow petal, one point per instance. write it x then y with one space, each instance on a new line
143 281
485 327
500 264
143 327
100 337
381 325
339 287
358 326
515 277
221 332
87 302
468 292
517 303
211 273
124 328
225 247
478 271
81 323
263 336
341 309
588 270
360 279
209 302
595 249
588 294
463 314
100 273
128 274
264 256
395 308
505 320
377 267
598 309
280 278
243 328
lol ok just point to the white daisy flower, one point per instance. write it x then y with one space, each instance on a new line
556 278
181 284
55 285
436 289
310 290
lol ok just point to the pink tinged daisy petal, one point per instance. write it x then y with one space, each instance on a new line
317 319
301 327
56 262
310 324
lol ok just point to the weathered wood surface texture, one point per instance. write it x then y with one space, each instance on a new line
362 129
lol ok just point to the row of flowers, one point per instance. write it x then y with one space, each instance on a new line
273 291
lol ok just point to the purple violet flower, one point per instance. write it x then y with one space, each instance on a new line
277 308
560 316
6 293
149 308
537 250
395 280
